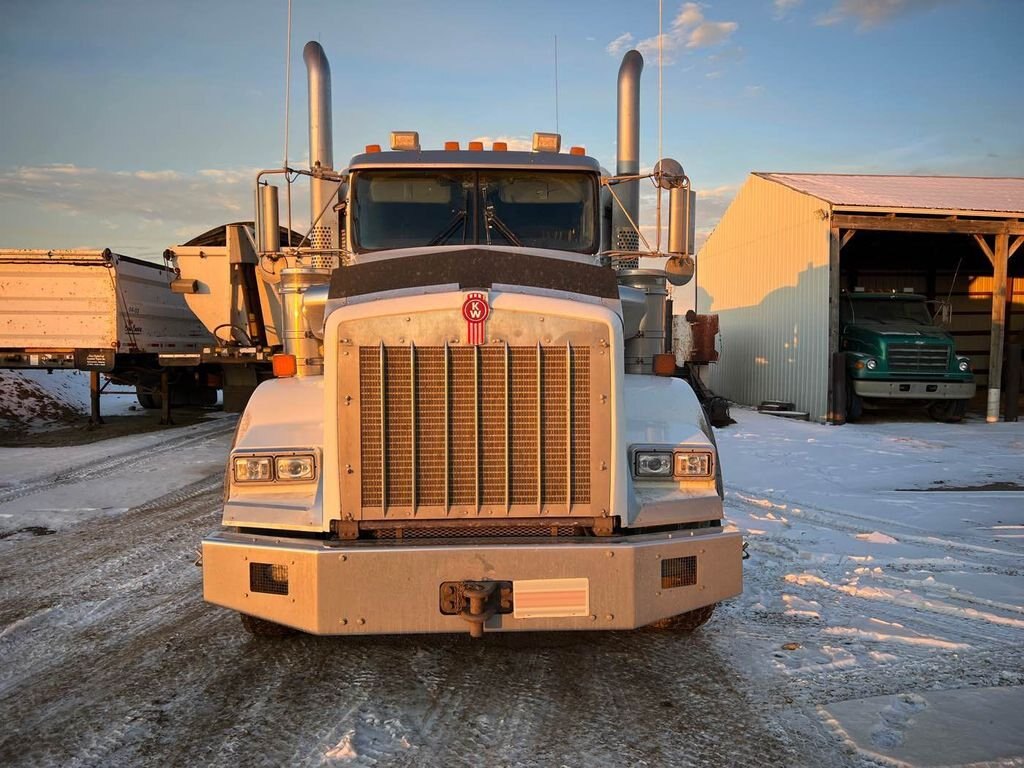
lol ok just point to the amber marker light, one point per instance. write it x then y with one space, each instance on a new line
284 366
664 364
578 151
373 148
500 146
451 146
476 146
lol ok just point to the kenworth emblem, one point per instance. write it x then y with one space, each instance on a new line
475 309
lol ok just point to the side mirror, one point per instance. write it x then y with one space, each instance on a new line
679 269
682 205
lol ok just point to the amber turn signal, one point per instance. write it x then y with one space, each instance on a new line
664 364
284 366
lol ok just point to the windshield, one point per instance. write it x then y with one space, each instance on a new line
886 311
535 209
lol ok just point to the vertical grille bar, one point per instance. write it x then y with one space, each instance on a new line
540 436
568 427
447 432
476 427
382 362
413 437
508 426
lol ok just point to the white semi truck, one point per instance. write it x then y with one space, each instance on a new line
474 424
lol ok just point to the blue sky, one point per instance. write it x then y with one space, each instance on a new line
135 125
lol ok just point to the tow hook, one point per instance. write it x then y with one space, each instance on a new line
478 611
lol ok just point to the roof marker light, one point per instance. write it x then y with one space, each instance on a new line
547 142
578 151
405 140
500 146
372 148
451 146
476 146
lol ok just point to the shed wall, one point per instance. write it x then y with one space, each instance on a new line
765 271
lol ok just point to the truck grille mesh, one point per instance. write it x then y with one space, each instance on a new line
472 427
495 531
918 357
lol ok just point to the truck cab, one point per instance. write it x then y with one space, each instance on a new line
895 351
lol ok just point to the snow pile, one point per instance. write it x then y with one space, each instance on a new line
35 400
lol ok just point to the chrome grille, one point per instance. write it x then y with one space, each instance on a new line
470 428
918 357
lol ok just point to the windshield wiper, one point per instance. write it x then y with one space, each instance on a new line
451 229
491 219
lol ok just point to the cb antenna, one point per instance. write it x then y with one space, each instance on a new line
287 106
556 85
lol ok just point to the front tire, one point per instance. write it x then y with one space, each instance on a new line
686 622
949 411
263 628
854 403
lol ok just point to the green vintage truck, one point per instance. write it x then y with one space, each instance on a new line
895 351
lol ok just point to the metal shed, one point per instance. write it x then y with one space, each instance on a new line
774 267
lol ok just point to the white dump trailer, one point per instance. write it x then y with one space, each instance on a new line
96 310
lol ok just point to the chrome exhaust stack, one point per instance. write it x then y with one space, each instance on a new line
322 193
627 159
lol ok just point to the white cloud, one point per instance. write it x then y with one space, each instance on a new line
515 143
688 30
783 7
161 205
871 13
619 44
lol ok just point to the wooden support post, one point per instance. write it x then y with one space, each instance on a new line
1000 260
165 399
95 417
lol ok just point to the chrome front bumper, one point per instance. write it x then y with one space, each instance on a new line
377 588
916 390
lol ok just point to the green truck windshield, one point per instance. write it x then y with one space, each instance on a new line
536 209
885 311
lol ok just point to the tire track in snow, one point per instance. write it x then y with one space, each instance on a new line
109 465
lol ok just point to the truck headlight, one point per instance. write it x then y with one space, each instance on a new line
693 464
295 468
652 464
668 464
871 364
253 469
964 364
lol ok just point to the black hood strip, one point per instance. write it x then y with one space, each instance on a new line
473 268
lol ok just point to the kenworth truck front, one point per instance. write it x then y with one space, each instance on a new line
474 437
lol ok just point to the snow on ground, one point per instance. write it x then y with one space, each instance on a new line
880 624
880 547
36 400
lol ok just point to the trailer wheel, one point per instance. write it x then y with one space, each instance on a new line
686 622
263 628
146 399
